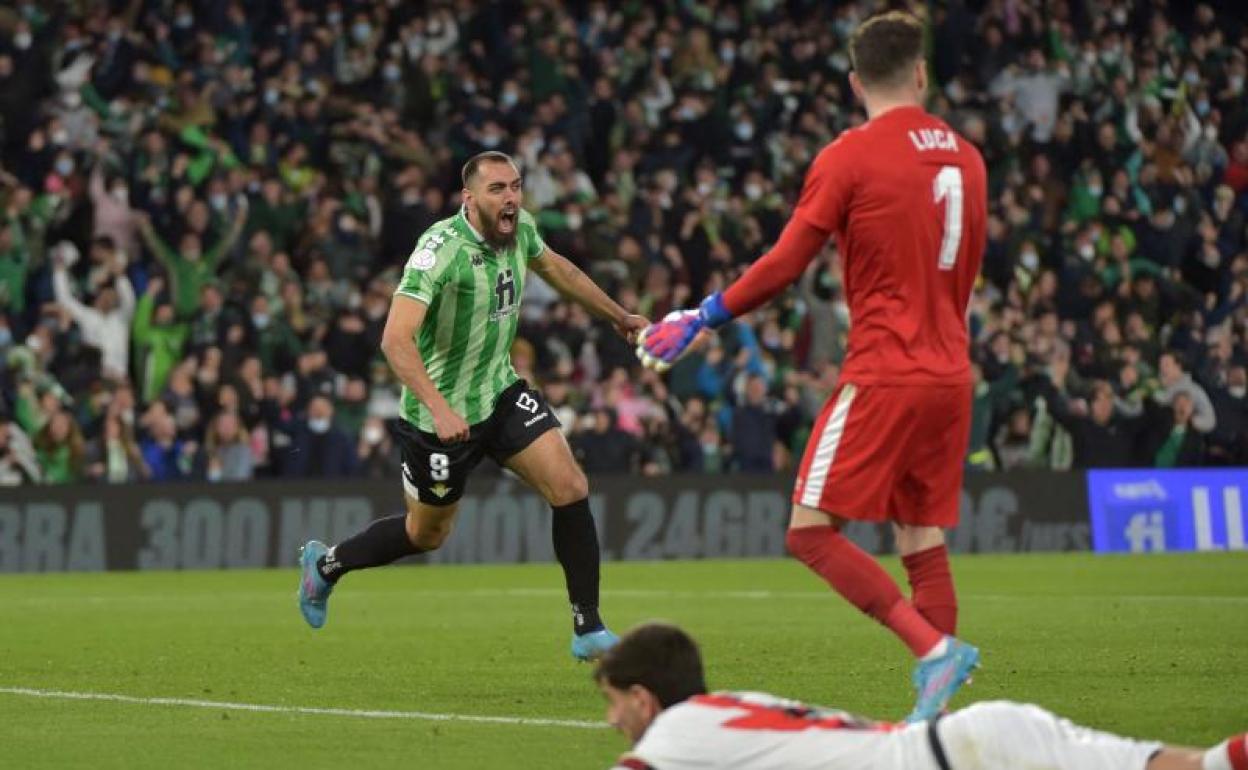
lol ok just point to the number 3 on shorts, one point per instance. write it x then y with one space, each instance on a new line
527 403
948 187
439 466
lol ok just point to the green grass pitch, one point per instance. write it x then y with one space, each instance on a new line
1150 646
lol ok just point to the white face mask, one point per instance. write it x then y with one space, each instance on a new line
1238 391
22 40
1030 260
318 425
373 434
753 191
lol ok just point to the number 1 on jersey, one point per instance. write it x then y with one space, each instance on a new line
948 187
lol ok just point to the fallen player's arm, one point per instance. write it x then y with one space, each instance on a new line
572 283
630 762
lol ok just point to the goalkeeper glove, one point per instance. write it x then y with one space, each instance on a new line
662 344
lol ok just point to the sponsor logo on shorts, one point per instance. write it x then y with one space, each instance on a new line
529 422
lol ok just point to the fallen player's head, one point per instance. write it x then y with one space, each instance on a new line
654 666
887 55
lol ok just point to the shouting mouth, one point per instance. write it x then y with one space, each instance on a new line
507 221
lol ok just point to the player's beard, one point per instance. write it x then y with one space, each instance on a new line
494 230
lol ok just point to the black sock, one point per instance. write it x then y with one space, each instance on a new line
576 546
379 543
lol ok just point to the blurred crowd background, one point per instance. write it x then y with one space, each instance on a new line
206 205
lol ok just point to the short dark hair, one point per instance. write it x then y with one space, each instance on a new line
474 163
885 47
659 657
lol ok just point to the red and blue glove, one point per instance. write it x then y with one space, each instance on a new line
662 344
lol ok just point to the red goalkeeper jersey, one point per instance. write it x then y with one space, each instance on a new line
906 198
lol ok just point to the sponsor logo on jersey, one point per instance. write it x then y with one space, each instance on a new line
478 259
501 313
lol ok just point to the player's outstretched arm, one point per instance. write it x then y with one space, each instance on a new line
398 343
661 344
572 283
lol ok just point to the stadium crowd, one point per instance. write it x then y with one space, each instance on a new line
207 204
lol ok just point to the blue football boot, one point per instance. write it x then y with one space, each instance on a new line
937 680
591 646
314 590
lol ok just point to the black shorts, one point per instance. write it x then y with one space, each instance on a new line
436 473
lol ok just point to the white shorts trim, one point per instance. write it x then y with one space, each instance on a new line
409 488
825 451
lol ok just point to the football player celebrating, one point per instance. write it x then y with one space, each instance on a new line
448 339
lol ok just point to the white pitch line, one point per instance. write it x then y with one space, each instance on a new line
272 709
623 593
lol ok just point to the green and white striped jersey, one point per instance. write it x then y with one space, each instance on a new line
473 293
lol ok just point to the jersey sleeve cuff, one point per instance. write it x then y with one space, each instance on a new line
418 296
714 312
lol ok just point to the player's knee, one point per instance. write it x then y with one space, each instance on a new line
428 532
796 541
430 537
573 487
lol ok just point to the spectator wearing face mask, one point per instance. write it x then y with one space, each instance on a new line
319 449
378 455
